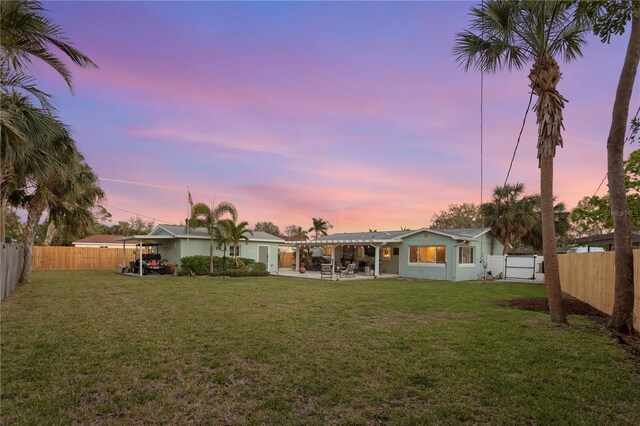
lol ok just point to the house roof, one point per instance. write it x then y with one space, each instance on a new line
635 236
104 239
392 236
463 233
179 231
383 235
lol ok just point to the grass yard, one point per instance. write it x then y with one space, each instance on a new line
94 347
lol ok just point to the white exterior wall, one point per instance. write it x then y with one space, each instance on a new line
200 247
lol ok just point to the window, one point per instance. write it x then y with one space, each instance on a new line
326 250
234 251
427 254
466 255
386 252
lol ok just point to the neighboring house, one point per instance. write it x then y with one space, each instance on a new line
605 241
174 243
104 241
437 254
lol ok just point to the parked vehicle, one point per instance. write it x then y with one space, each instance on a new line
585 249
152 263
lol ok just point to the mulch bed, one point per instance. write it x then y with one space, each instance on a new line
541 304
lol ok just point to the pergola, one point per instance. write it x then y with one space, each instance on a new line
143 241
335 242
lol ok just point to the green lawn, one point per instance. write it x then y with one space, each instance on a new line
94 347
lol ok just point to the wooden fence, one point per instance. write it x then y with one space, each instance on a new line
590 277
286 259
11 259
79 258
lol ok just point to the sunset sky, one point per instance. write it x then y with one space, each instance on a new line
353 112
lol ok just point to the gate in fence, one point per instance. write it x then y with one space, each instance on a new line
520 267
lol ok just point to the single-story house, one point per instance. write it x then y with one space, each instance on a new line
174 243
104 241
437 254
605 241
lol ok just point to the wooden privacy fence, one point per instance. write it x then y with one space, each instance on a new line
590 277
286 259
79 258
11 259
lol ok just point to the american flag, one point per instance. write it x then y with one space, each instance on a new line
190 200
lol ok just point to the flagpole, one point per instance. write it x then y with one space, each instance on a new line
189 211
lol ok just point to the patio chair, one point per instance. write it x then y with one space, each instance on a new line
349 271
325 271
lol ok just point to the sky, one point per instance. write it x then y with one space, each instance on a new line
355 112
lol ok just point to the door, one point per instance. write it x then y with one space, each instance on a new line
263 255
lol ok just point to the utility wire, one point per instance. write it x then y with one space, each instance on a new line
627 139
137 214
515 150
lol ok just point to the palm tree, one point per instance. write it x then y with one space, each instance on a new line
236 232
28 34
204 216
67 197
509 214
320 227
74 209
533 238
512 34
28 150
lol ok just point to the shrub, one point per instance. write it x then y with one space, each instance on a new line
237 272
199 265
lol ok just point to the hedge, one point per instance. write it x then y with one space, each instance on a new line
199 265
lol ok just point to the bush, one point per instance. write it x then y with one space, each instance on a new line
199 265
237 272
195 265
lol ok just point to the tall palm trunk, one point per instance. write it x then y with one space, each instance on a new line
549 250
34 213
622 315
3 206
545 75
52 230
211 253
505 247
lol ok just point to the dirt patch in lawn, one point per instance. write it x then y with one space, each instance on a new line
541 304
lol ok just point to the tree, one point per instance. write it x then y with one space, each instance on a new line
65 197
319 227
15 229
28 34
295 233
466 215
592 216
73 210
511 34
28 149
533 238
612 21
235 233
268 227
132 226
204 216
510 214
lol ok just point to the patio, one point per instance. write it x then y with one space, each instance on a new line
315 275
